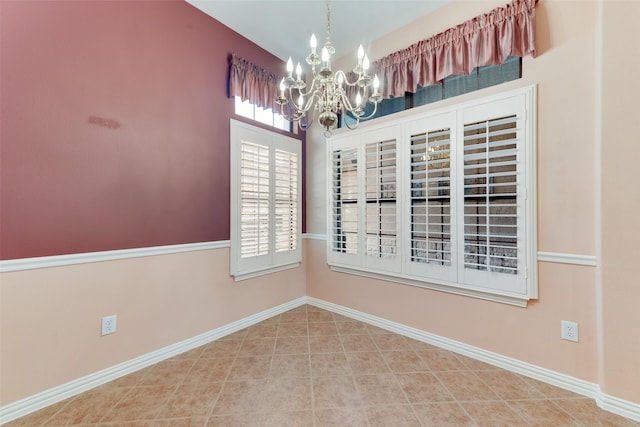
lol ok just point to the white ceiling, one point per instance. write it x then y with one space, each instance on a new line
284 27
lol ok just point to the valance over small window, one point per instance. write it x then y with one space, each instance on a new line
487 39
250 82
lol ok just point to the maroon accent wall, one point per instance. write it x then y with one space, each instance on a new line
114 125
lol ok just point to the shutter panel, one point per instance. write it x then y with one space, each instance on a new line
344 201
490 195
254 200
380 197
430 211
430 220
286 201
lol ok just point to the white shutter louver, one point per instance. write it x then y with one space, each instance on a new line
380 197
286 201
491 195
344 190
430 220
254 200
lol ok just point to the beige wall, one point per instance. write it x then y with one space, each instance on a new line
620 209
566 72
50 317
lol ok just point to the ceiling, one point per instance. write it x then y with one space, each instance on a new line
285 27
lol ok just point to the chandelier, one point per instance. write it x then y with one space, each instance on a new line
328 95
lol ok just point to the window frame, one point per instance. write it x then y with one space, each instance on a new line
518 289
245 267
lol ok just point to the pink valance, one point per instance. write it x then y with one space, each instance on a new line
488 39
250 82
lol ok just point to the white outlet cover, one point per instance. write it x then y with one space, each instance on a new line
109 324
569 330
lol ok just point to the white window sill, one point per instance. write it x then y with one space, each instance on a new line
437 285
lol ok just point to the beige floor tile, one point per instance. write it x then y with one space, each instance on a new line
447 414
494 414
466 385
388 341
191 399
587 412
423 388
543 413
441 360
209 370
89 407
331 392
325 344
319 316
180 422
391 415
224 348
352 327
250 368
379 389
508 386
404 361
358 343
287 394
262 330
340 417
239 397
141 403
257 347
322 328
290 365
292 329
292 345
367 362
329 364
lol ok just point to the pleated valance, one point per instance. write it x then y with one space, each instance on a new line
487 39
250 82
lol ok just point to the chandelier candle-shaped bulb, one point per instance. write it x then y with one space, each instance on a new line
365 63
360 54
358 99
325 57
298 71
290 66
313 43
340 79
300 101
282 87
376 84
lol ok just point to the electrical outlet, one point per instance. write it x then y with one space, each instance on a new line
109 324
569 330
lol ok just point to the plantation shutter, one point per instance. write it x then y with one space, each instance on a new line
254 200
493 199
265 201
430 236
286 204
380 195
344 201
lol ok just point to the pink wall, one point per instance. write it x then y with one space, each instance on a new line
115 125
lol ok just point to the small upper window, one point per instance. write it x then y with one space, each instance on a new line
262 115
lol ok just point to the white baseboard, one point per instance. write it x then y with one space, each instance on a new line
53 395
585 388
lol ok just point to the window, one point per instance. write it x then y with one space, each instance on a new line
440 199
265 201
480 78
262 115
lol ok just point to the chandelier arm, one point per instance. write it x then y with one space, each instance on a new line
346 123
375 109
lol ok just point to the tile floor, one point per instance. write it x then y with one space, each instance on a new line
310 367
